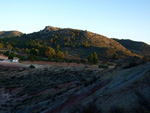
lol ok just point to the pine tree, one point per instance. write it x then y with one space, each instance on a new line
9 47
93 58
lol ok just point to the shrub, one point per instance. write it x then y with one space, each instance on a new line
31 66
115 57
84 61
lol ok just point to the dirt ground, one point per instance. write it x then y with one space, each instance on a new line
48 63
60 86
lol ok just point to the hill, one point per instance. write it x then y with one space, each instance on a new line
92 39
77 42
82 42
140 48
4 34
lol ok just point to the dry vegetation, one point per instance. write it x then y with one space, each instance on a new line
59 89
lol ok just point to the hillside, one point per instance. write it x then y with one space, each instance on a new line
4 34
76 42
93 39
140 48
55 89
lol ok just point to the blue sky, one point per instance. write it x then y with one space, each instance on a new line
123 19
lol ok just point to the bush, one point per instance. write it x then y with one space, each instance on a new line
31 66
12 55
115 57
21 58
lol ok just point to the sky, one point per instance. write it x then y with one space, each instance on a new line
123 19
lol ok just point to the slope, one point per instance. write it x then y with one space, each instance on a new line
64 89
77 42
140 48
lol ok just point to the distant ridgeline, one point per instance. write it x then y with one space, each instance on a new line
4 34
140 48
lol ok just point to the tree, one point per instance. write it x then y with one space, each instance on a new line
17 49
66 53
34 51
1 45
37 51
87 44
90 58
45 44
42 51
12 55
51 40
27 51
21 58
68 39
57 47
50 52
9 47
55 37
73 45
60 54
93 58
115 57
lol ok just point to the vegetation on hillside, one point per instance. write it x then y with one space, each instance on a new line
55 43
140 48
